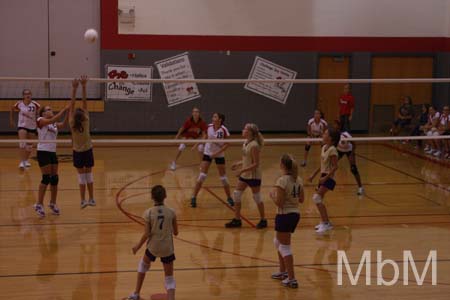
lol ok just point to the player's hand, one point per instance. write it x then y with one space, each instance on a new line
83 80
75 83
322 180
135 249
311 178
235 166
350 117
213 155
273 195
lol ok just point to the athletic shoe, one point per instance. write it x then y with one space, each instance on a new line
430 151
426 148
22 165
280 275
193 202
39 210
133 296
27 164
262 224
83 204
360 191
303 163
54 208
291 283
318 225
235 223
437 153
323 227
173 166
230 201
91 202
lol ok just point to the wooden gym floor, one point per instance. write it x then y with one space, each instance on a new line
86 254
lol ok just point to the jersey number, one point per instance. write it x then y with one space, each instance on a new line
31 108
295 192
161 222
220 135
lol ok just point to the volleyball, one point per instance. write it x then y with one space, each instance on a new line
90 35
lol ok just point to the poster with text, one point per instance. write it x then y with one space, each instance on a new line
128 91
178 67
264 69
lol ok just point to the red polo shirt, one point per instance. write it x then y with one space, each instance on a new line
346 104
192 130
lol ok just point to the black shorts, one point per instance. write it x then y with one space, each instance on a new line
218 160
251 182
329 183
341 154
83 159
164 260
402 123
46 158
286 222
34 131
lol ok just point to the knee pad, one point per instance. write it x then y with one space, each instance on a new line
202 177
257 198
307 147
430 133
200 148
54 179
354 169
89 177
285 250
317 198
45 179
81 179
237 195
181 147
22 145
224 180
276 243
436 133
169 283
143 267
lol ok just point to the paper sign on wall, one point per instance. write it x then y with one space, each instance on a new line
264 69
178 67
129 91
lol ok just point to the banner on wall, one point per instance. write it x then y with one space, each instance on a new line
178 67
129 91
264 69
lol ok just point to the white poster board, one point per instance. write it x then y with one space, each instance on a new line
178 67
128 91
264 69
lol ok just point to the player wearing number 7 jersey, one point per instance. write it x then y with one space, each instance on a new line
160 226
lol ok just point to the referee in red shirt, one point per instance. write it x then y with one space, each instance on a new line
346 107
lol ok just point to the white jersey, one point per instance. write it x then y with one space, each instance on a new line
345 146
221 133
444 120
27 114
432 118
47 133
317 129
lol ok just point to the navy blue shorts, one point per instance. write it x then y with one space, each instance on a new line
286 222
218 160
34 131
46 158
164 260
83 159
329 183
251 182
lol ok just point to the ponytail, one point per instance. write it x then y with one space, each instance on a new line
289 162
257 136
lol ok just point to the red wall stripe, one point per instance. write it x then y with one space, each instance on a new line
110 39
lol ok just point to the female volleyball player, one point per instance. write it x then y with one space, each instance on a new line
316 127
215 151
193 128
47 128
430 129
27 110
160 226
249 172
328 167
83 157
348 148
442 128
287 194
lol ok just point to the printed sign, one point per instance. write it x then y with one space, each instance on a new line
129 91
264 69
178 67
